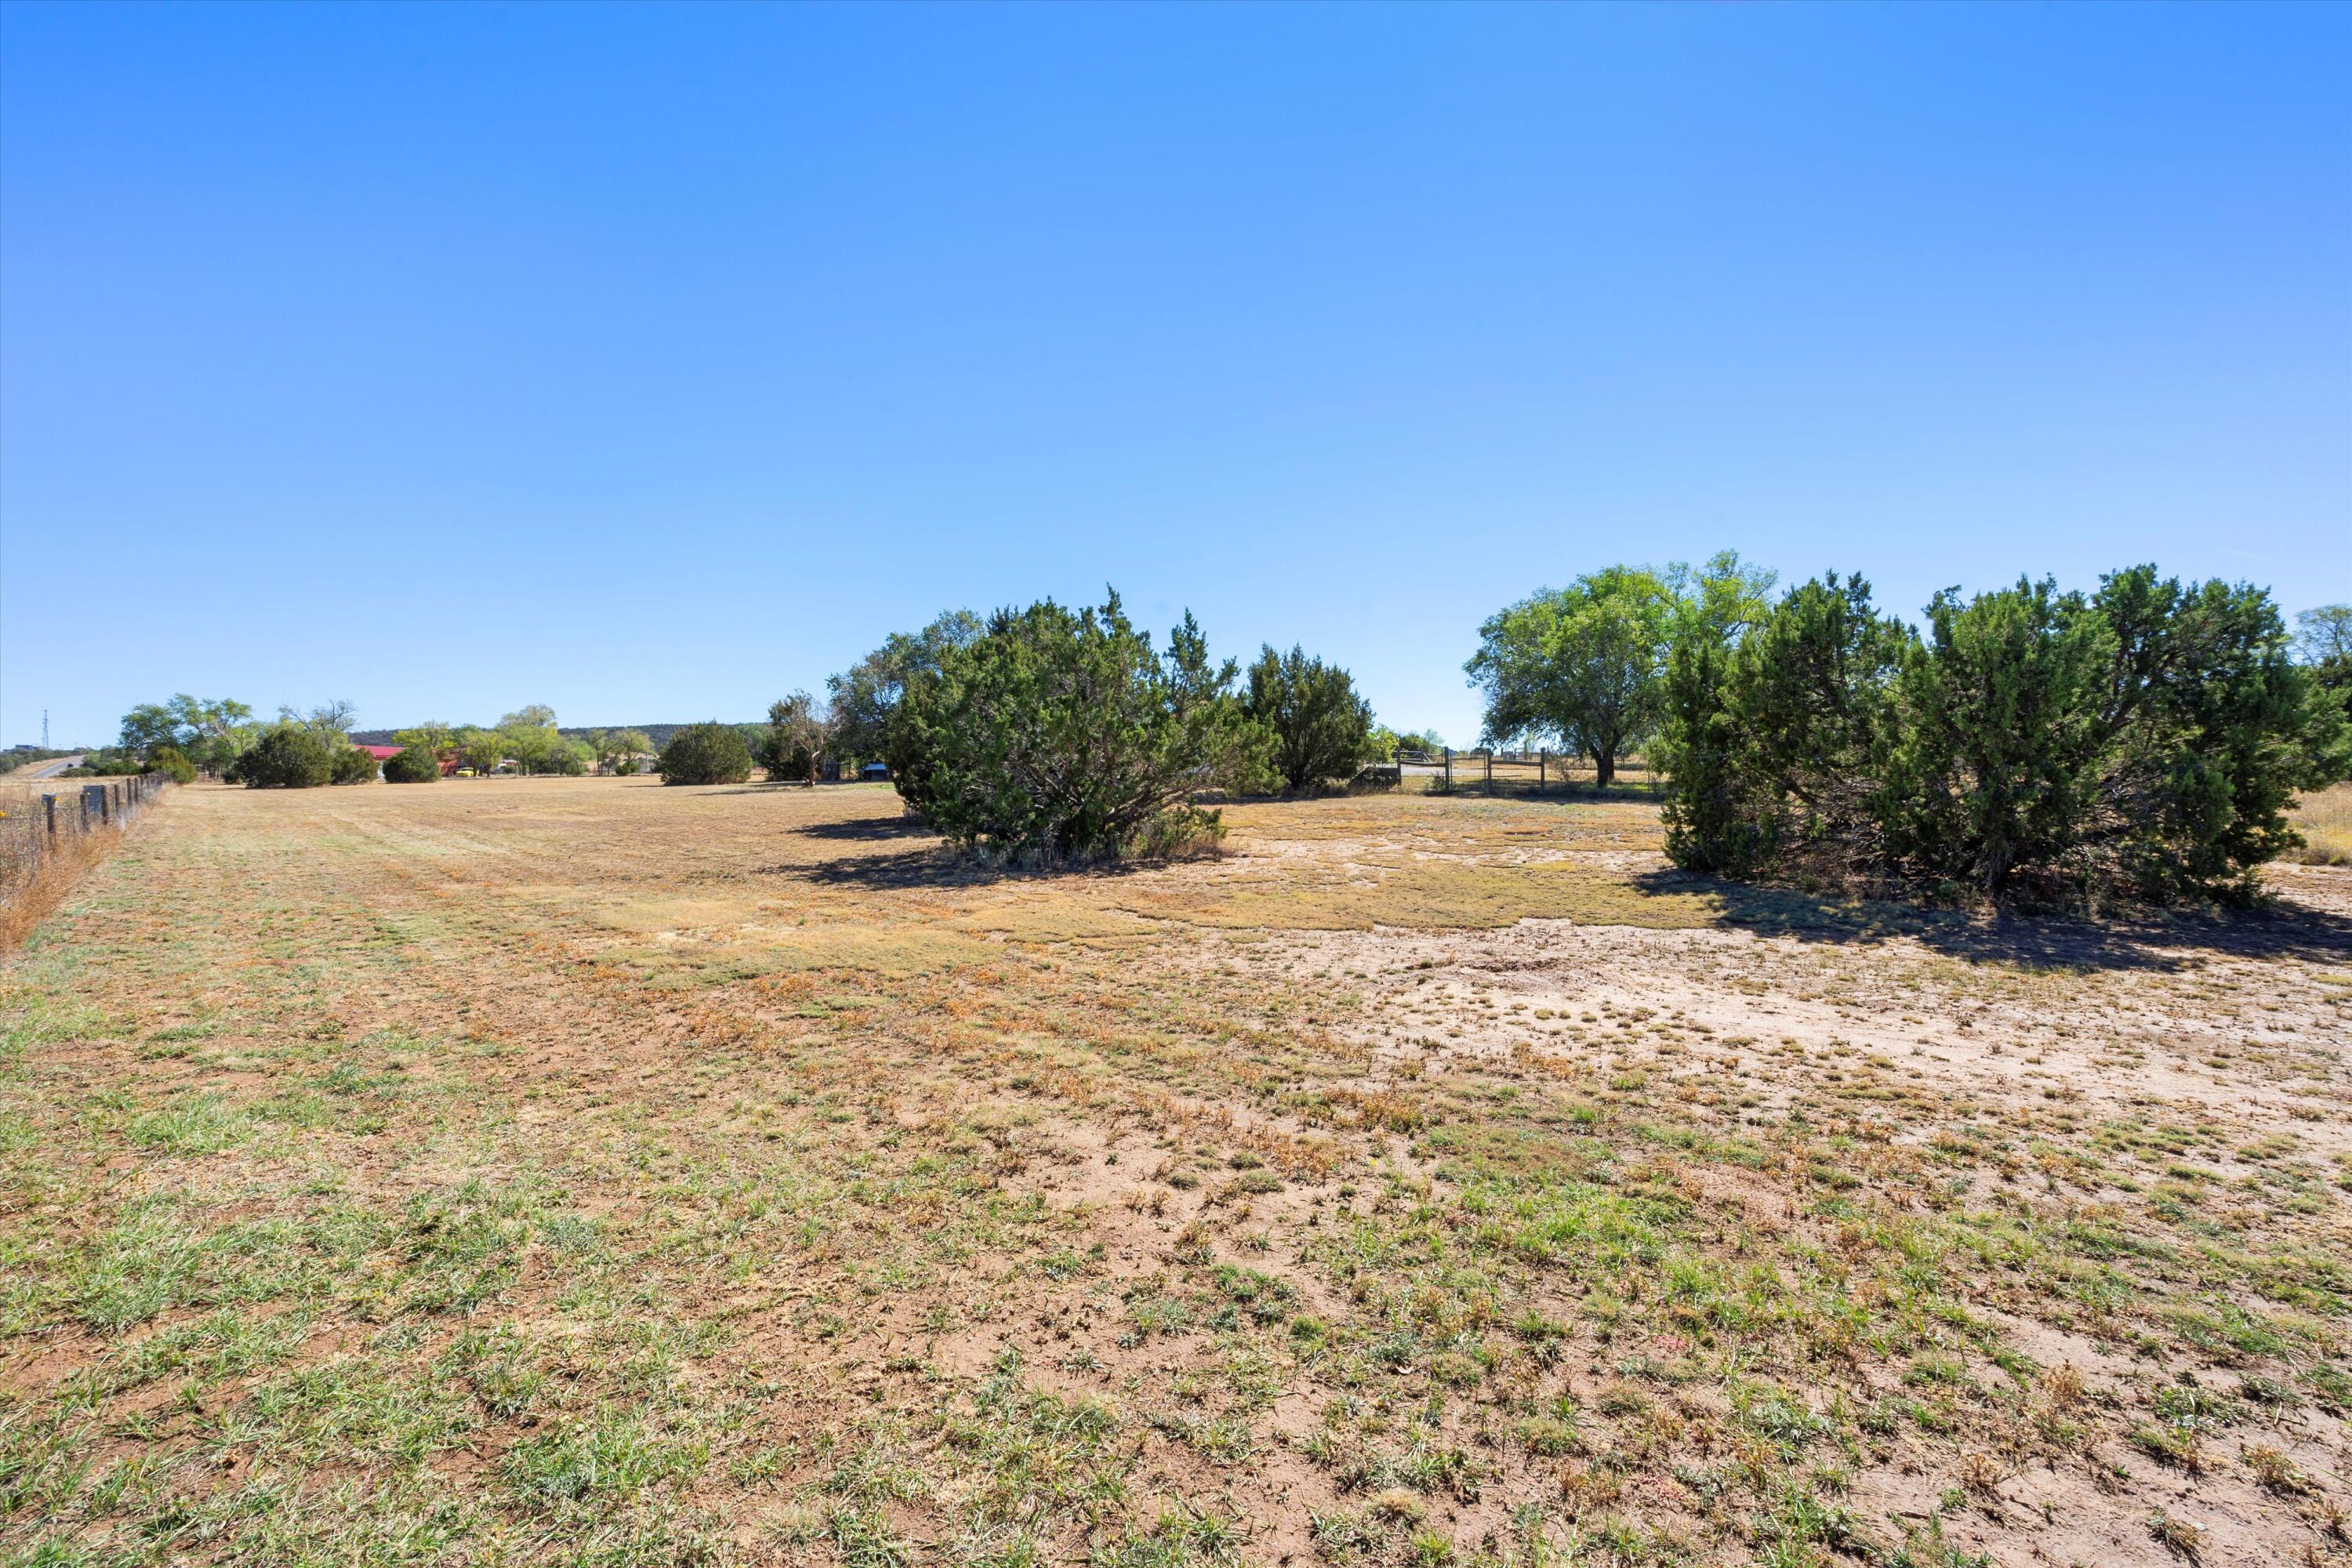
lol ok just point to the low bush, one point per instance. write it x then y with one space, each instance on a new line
173 763
353 765
106 762
288 755
705 754
413 764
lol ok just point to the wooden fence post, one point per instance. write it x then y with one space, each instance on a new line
1490 770
49 802
1449 767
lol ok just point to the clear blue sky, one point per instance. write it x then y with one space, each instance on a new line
650 361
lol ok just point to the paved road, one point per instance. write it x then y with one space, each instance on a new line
52 768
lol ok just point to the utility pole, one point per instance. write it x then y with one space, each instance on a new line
44 729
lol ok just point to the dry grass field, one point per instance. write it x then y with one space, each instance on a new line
585 1171
2325 820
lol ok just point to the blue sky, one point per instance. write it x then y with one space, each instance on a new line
650 361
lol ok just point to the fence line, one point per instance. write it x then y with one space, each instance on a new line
37 827
1490 772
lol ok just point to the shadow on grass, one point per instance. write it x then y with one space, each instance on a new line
932 863
867 830
2153 941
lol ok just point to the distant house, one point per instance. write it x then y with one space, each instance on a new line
381 753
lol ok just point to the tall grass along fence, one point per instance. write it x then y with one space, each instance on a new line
1493 771
48 838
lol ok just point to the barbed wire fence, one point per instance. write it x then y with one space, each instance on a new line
43 827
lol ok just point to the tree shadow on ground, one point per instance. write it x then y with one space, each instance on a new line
868 829
935 863
2152 940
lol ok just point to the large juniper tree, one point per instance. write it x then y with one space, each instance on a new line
1064 734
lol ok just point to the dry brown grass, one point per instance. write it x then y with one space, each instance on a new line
2325 820
37 872
29 898
583 1171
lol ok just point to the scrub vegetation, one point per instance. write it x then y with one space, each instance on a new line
574 1169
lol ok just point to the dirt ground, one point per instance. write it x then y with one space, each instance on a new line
514 1171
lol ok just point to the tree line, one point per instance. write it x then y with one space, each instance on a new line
2022 745
2141 741
1061 733
219 736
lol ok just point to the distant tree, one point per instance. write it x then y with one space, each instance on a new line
620 748
1063 734
413 764
529 736
795 739
1320 729
329 718
706 754
210 732
107 761
864 697
535 748
288 755
1585 664
2323 640
479 749
431 735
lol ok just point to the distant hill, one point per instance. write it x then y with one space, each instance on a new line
658 734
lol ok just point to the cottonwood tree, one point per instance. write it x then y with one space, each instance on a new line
1585 664
863 697
334 718
621 748
479 749
2322 638
431 735
795 739
210 732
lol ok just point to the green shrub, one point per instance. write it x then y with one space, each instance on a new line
1317 726
1061 735
413 764
1772 742
705 754
288 755
107 761
353 765
2143 741
173 763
